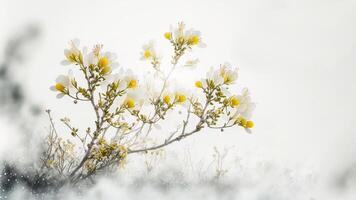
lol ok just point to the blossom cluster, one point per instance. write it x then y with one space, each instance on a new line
131 107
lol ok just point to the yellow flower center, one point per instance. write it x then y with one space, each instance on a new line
60 87
168 35
130 102
194 40
103 62
198 84
166 99
132 83
249 124
147 54
181 98
234 101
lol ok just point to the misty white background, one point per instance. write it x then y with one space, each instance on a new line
296 57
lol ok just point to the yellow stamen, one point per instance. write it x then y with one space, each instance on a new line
198 84
234 101
147 54
60 87
181 98
103 62
168 35
249 124
130 102
166 99
132 83
194 40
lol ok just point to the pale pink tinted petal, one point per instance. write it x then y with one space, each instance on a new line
53 88
60 95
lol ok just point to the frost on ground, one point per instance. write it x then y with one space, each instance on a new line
177 180
174 178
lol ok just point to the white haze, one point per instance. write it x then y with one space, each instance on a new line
296 57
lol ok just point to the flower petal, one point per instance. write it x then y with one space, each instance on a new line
60 95
52 88
65 62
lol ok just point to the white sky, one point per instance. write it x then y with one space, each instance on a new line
296 57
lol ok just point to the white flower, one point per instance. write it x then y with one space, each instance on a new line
214 75
228 74
148 52
63 84
117 77
89 57
106 61
224 75
135 98
72 54
131 80
246 106
193 37
189 37
182 96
